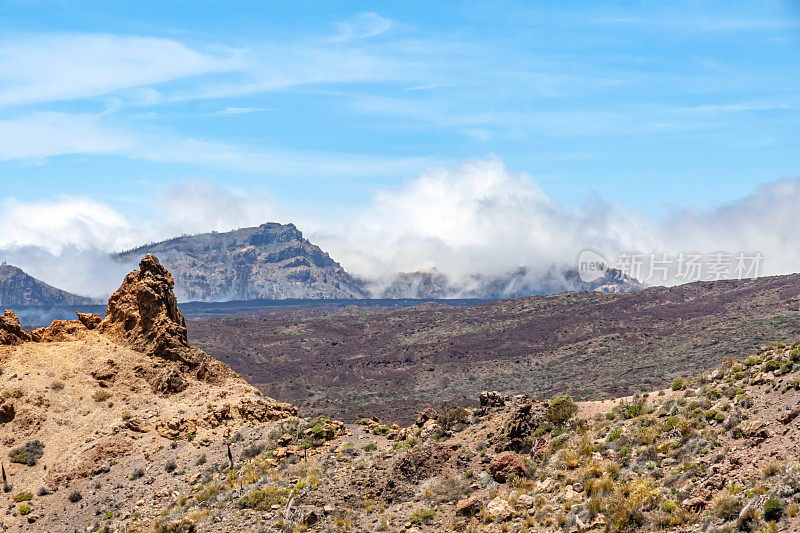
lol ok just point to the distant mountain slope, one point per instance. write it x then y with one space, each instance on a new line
18 288
271 261
589 344
517 284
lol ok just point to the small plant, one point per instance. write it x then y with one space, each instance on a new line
370 446
453 417
24 509
677 384
263 499
101 395
727 506
136 474
23 496
772 509
171 466
422 516
75 496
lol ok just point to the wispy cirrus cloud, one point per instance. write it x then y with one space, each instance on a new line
37 68
50 134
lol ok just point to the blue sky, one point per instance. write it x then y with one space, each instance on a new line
324 104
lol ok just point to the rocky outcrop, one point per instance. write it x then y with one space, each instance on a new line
59 331
19 288
11 332
144 314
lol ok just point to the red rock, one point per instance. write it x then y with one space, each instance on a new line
506 464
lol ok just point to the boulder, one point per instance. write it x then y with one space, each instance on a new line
425 415
469 506
505 464
756 430
7 412
499 509
493 399
525 501
90 320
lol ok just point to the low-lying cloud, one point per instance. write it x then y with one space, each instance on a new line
478 219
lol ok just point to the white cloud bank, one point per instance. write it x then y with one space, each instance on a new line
479 218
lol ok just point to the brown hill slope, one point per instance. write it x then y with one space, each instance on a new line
591 345
85 403
19 288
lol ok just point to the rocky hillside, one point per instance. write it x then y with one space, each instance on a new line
271 261
715 452
18 288
393 363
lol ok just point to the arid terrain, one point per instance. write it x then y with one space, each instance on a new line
119 424
392 363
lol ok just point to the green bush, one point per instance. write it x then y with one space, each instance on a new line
452 417
24 509
561 410
23 496
677 384
772 509
101 395
771 365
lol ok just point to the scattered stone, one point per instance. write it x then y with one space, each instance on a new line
499 509
469 506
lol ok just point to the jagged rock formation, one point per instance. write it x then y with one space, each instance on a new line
144 313
11 332
271 261
18 288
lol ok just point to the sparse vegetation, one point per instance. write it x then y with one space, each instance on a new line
27 454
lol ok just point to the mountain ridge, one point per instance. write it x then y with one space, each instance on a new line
270 261
19 288
275 261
